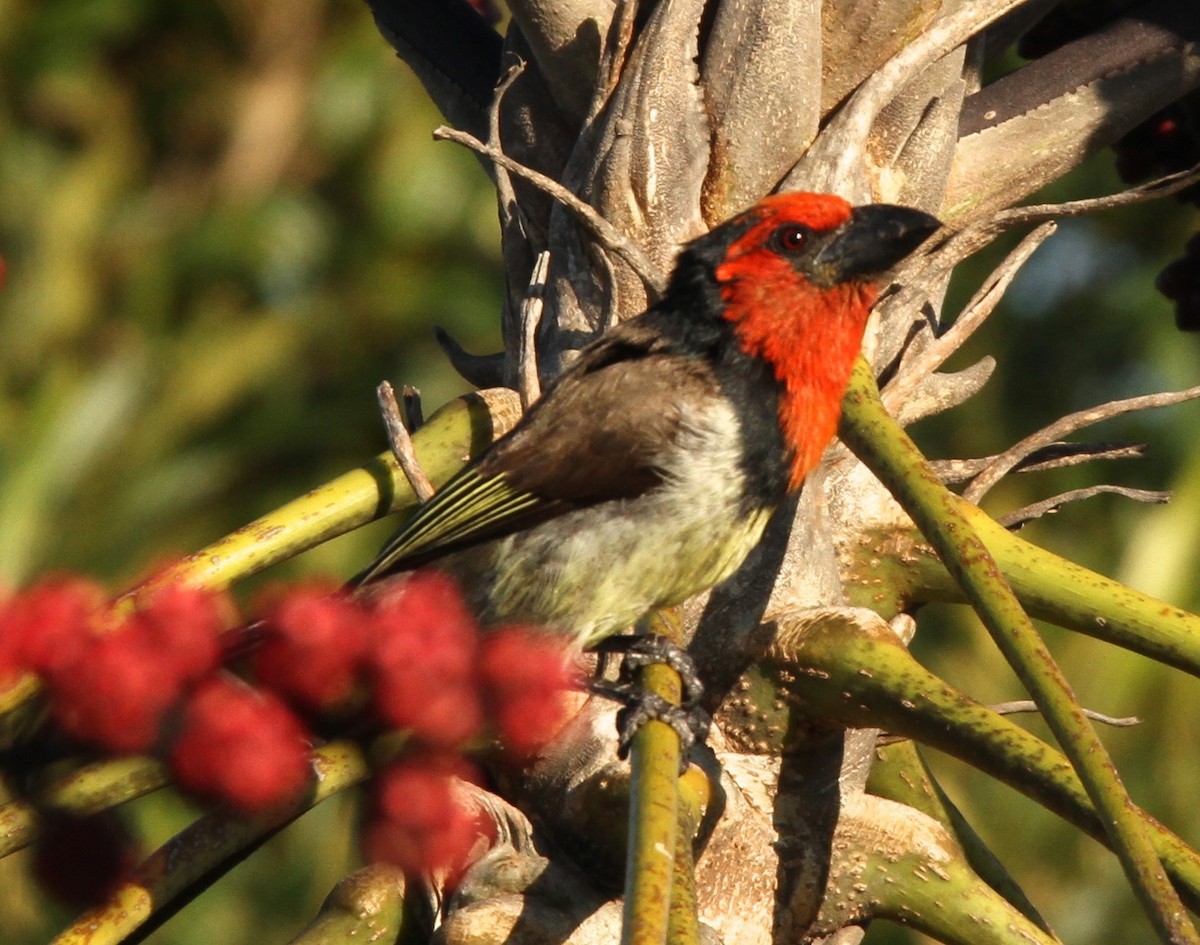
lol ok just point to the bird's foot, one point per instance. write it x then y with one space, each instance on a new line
688 719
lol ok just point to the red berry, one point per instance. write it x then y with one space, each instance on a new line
115 691
314 647
49 623
422 820
422 660
82 860
240 746
526 674
184 623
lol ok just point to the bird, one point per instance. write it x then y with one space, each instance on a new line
647 471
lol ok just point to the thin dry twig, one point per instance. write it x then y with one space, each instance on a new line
510 209
1019 706
969 239
1028 705
529 383
1064 426
401 443
1054 456
1151 190
913 373
602 231
1015 519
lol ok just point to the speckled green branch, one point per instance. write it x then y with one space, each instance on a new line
654 807
860 675
186 863
900 774
890 454
86 790
1048 586
911 871
453 434
366 906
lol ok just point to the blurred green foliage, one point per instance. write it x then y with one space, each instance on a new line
225 222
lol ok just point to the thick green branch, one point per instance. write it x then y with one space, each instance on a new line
889 453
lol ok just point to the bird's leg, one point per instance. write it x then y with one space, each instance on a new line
399 440
688 719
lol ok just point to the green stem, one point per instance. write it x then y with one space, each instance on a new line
185 865
457 431
888 452
915 875
94 787
1071 596
900 774
653 807
863 680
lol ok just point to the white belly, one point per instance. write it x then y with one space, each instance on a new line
595 571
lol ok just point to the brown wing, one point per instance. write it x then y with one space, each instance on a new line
595 436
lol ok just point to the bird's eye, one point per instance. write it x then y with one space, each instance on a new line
792 238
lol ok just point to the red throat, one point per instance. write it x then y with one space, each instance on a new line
809 335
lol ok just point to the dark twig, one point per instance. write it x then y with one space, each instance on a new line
1065 426
482 370
401 443
529 384
414 415
1014 520
510 209
607 235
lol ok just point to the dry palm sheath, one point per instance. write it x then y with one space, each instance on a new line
649 469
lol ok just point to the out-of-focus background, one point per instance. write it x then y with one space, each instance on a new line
223 223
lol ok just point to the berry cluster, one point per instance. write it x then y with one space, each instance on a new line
1166 143
152 679
1180 282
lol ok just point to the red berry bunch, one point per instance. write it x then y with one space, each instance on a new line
423 821
1165 143
1180 282
414 654
150 678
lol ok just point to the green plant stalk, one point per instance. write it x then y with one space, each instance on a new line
87 790
864 681
934 890
366 906
653 807
456 432
684 922
451 436
890 454
900 774
1066 594
184 866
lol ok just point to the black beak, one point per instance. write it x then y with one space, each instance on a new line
873 240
